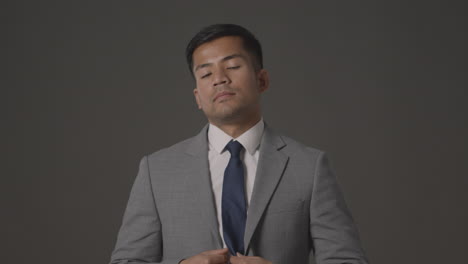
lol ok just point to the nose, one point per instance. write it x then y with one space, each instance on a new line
220 78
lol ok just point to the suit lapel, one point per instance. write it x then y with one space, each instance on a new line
270 168
201 182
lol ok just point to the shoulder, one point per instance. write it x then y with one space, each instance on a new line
298 150
173 151
292 147
193 146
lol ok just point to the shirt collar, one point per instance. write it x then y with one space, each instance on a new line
250 139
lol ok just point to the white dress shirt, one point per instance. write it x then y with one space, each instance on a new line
218 159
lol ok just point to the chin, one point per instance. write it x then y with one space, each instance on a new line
227 114
227 111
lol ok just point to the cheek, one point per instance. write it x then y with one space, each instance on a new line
202 96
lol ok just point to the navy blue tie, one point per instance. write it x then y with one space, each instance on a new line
233 201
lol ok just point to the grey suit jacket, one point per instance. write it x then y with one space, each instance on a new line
296 207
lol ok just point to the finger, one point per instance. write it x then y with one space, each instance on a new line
222 251
217 259
239 254
234 260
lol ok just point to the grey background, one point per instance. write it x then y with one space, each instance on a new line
88 89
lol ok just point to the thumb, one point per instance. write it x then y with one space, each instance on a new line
240 255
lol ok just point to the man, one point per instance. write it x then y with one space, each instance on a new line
237 192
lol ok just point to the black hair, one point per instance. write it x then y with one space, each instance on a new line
212 32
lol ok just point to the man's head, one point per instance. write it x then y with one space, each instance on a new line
229 76
209 33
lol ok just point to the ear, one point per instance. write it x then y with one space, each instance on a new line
197 98
263 80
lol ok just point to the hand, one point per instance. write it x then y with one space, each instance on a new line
241 259
217 256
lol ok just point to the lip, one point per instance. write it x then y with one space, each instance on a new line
222 95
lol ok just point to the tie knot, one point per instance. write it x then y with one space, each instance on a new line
234 147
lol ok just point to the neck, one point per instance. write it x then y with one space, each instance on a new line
235 129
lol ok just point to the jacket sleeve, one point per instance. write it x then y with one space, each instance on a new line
140 239
334 235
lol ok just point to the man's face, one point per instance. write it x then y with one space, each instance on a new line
228 87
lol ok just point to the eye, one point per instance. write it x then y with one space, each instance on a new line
233 67
206 75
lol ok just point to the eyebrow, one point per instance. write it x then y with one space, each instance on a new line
230 57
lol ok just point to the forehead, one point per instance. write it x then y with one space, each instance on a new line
218 49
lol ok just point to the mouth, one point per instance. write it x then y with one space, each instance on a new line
223 95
